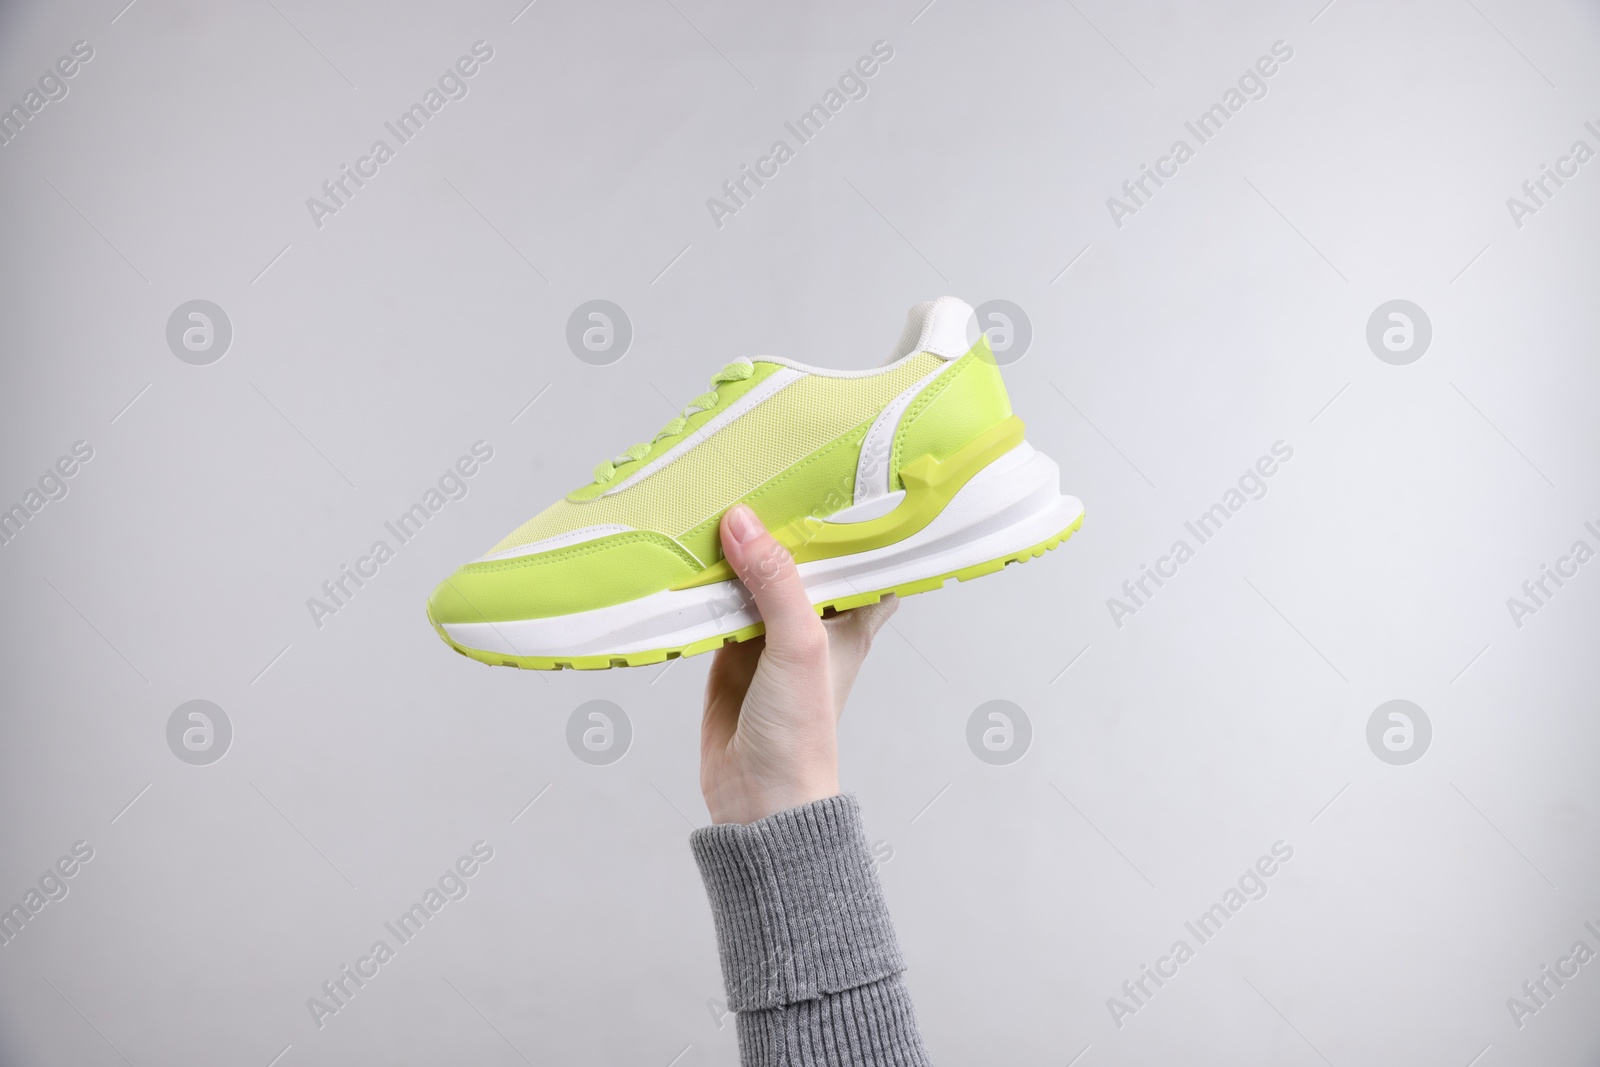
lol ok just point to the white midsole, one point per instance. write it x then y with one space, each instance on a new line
1013 503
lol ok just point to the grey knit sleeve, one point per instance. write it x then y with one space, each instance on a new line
809 957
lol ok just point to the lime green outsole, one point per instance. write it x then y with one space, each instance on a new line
661 655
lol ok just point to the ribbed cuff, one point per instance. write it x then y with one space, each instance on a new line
871 1026
798 909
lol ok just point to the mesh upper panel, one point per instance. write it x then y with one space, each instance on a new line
761 443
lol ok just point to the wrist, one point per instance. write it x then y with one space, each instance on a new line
747 802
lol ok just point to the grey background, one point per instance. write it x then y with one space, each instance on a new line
1167 754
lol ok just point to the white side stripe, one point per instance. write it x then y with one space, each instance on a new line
770 385
571 537
872 470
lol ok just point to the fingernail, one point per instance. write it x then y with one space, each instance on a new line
743 524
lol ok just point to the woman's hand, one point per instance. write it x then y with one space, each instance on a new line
769 739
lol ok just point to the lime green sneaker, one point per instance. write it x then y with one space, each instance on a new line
882 481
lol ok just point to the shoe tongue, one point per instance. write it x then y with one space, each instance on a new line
938 326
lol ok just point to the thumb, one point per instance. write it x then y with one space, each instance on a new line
768 571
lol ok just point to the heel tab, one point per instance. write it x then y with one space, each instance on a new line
937 326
